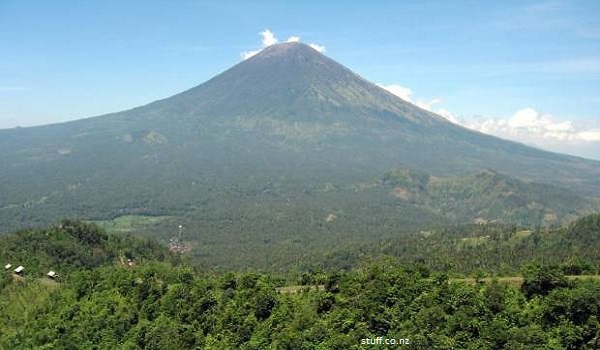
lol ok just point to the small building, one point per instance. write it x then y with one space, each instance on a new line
20 270
52 274
8 266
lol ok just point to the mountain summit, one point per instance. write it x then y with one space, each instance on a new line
271 132
293 82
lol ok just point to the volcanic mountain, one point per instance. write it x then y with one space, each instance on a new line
275 144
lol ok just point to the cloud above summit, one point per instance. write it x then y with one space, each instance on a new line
269 38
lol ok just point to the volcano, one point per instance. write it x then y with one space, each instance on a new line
275 144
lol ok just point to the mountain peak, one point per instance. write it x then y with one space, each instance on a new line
287 49
292 53
286 114
296 83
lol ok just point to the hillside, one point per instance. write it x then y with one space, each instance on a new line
497 247
272 230
72 246
487 196
266 152
154 304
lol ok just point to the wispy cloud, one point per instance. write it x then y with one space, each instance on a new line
554 15
588 33
269 38
317 47
429 105
588 65
537 16
580 65
400 91
13 88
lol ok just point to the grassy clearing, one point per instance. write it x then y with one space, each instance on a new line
516 281
131 223
474 241
297 289
519 235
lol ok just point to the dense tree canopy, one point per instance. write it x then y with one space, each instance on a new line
158 306
161 302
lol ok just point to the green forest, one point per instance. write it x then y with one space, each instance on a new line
118 291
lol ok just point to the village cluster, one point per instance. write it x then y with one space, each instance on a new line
20 271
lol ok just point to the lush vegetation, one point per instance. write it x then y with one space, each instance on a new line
159 306
278 225
155 300
502 249
286 156
467 249
74 245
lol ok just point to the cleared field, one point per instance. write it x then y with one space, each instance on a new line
131 223
297 289
516 281
521 234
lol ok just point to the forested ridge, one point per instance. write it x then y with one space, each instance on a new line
122 292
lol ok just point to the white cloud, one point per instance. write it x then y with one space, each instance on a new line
428 105
400 91
528 125
247 54
319 48
560 127
446 114
268 38
525 118
590 136
406 94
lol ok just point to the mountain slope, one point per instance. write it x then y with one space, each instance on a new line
270 132
487 196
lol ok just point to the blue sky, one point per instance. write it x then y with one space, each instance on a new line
529 71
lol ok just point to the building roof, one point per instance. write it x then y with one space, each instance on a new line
51 274
19 269
8 266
